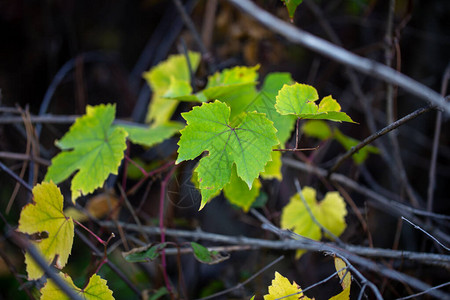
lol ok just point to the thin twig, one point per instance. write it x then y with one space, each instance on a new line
23 156
426 233
378 134
304 243
395 208
17 178
240 285
108 262
425 292
341 55
434 149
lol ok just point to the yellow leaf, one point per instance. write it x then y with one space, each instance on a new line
281 287
330 213
340 265
46 215
344 295
95 290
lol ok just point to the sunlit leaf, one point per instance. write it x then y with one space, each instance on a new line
96 289
92 147
265 100
247 143
281 288
299 100
46 214
330 213
169 78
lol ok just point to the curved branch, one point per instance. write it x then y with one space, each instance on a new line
341 55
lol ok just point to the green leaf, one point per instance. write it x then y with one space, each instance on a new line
291 6
169 78
265 100
150 136
235 86
93 147
299 100
247 143
318 129
96 289
162 291
203 255
349 142
45 215
238 193
144 254
330 213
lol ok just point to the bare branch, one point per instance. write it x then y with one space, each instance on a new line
341 55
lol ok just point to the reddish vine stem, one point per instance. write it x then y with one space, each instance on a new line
161 226
150 174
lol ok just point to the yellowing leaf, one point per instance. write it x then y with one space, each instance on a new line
46 215
169 78
330 213
93 147
96 289
340 266
344 295
281 287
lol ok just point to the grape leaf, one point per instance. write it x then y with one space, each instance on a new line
345 281
203 255
265 100
238 193
281 288
96 289
330 213
233 86
348 142
299 100
291 6
170 77
144 254
247 143
150 136
93 147
46 214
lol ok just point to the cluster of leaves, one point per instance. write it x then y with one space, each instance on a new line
236 133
